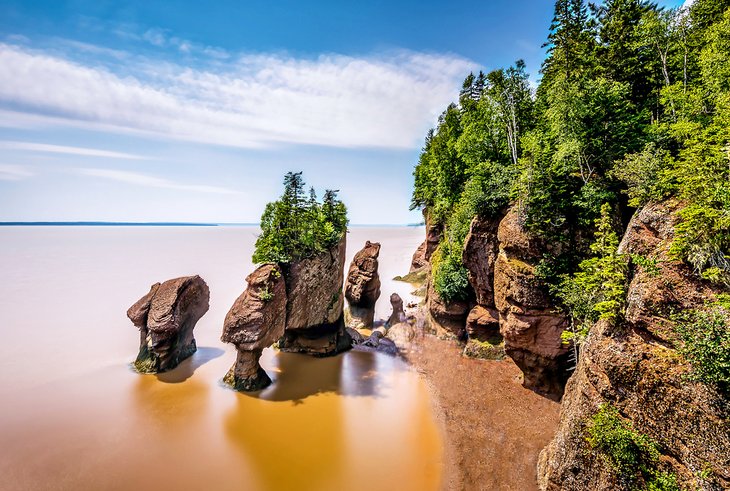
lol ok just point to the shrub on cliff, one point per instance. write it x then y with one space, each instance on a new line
706 345
296 226
632 455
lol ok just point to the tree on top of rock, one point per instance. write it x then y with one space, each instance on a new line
295 227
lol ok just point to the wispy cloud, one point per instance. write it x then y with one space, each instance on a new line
10 172
252 101
151 181
63 149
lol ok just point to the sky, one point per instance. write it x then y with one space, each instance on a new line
147 111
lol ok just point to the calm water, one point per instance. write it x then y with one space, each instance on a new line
74 416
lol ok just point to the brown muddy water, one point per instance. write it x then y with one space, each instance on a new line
75 416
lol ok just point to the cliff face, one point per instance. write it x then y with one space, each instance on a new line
314 310
528 320
634 368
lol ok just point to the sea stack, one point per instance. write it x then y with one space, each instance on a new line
363 286
166 317
255 321
398 315
314 311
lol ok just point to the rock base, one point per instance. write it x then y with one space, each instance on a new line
150 362
324 340
259 381
360 317
247 375
485 350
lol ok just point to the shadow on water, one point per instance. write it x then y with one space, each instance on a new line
296 377
188 366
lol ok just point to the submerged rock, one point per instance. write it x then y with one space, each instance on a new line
314 311
166 317
255 321
363 285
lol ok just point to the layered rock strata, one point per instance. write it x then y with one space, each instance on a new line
635 368
362 288
166 317
256 320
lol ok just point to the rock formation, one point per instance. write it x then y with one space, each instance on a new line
423 254
314 309
362 288
397 315
481 248
166 317
447 319
256 320
529 323
635 369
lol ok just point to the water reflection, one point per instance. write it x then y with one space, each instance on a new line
297 377
188 366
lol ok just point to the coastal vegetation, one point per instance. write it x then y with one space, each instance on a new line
297 225
632 455
633 108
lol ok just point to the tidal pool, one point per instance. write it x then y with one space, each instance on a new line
75 416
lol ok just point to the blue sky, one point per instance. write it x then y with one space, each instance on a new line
194 111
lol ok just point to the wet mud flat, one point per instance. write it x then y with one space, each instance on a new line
494 429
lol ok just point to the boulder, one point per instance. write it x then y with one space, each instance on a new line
362 288
529 322
482 324
314 310
166 317
447 319
397 315
256 320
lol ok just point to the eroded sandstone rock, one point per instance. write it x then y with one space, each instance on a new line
362 288
481 248
633 368
529 322
166 317
447 319
419 261
255 321
397 314
314 311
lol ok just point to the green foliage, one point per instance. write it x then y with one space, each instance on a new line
295 226
598 289
626 449
450 277
649 266
706 344
634 100
631 454
266 294
646 175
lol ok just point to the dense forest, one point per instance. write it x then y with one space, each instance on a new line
633 107
297 225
